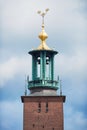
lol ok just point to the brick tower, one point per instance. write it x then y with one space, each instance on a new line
43 108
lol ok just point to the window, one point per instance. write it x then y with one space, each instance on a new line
33 125
43 126
46 107
39 107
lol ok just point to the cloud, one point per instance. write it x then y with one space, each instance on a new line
72 71
11 114
12 67
17 16
72 65
75 119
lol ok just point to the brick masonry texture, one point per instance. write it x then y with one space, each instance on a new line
43 113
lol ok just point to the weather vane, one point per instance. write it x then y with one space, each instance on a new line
43 14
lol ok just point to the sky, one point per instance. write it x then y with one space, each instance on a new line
66 26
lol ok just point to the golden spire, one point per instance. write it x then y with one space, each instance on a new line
43 35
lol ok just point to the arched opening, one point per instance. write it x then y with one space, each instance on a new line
47 67
38 67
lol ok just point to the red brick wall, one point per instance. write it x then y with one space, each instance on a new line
51 120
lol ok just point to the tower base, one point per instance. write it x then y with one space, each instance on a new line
43 112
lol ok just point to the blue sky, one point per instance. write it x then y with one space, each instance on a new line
66 26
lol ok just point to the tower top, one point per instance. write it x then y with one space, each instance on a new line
43 82
43 35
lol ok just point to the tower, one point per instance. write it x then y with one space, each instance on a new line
43 108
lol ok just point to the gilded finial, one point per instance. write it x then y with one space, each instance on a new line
43 35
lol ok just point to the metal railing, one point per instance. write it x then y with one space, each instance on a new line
43 83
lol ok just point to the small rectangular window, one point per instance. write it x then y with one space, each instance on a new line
33 125
43 126
39 107
46 107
